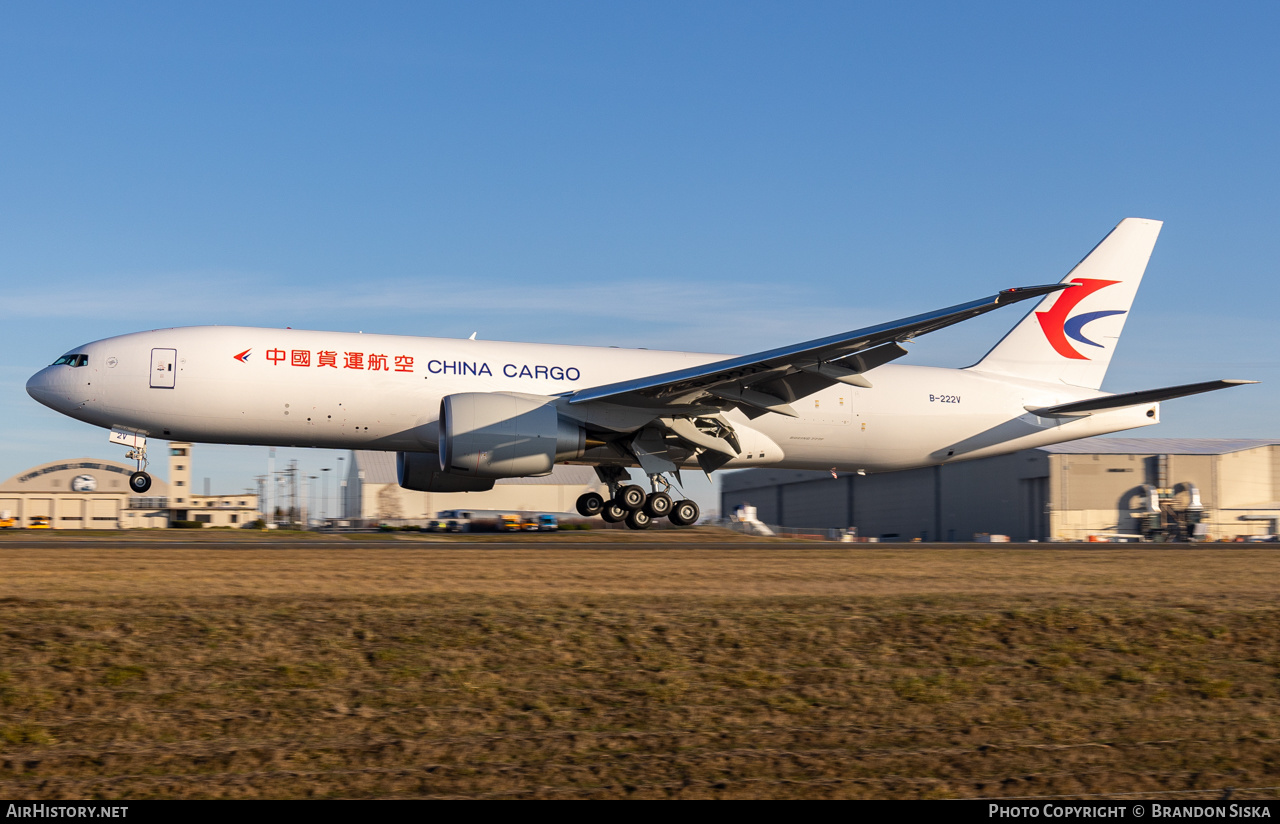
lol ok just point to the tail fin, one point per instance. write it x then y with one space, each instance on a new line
1071 335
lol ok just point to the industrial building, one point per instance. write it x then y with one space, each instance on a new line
89 493
372 494
1158 488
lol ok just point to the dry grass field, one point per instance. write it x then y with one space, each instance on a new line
412 670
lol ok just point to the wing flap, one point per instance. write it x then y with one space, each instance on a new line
758 400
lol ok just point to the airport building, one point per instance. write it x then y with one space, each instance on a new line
1104 487
372 494
89 493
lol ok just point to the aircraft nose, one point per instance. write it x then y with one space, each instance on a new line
44 387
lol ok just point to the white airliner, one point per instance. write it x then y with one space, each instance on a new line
462 413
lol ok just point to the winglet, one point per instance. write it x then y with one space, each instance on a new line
1018 293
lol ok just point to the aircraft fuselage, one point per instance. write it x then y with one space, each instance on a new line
287 387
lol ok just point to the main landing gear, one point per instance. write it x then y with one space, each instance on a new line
629 503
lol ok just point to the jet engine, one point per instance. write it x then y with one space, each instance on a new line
505 435
420 471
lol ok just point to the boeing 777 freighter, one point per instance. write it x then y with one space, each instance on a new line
462 413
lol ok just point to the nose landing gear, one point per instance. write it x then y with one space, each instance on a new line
139 481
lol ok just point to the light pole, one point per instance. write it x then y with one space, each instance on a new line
324 500
271 485
342 490
311 508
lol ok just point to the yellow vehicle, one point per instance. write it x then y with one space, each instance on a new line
8 523
39 522
510 523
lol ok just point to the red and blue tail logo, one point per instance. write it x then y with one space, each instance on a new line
1058 327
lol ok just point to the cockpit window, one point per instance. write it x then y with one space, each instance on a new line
72 360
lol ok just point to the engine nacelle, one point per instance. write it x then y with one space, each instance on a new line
505 435
420 472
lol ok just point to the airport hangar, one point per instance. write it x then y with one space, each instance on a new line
89 493
1068 491
372 494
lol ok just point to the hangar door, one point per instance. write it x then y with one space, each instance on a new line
71 513
1035 504
104 509
164 364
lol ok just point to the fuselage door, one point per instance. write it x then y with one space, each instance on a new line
164 368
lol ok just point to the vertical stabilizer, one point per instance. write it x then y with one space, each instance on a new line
1070 336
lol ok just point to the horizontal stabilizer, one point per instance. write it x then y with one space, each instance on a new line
1106 403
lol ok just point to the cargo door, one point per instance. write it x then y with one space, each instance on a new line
163 368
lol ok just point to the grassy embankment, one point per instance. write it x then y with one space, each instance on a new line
850 672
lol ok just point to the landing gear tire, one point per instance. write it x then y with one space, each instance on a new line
685 513
630 498
590 504
612 513
639 519
139 482
658 505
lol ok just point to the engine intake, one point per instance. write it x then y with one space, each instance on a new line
420 472
505 435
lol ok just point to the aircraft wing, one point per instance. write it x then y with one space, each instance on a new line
1106 403
766 381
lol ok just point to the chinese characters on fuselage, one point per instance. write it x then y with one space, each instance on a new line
378 362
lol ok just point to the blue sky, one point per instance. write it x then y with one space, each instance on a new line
713 176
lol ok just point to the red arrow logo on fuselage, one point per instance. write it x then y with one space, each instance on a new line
243 357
